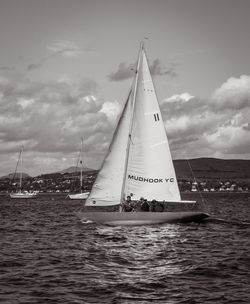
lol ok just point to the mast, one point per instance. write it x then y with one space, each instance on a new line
21 173
131 125
81 163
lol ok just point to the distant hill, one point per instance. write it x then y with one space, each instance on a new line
74 169
213 168
17 176
201 168
204 168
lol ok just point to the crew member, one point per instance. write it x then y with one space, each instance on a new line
128 206
145 205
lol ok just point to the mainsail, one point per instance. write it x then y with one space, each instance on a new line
139 159
150 171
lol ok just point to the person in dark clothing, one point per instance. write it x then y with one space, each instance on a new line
153 205
128 207
145 206
159 206
128 200
137 206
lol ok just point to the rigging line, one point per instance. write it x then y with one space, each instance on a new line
203 203
21 175
19 156
81 165
198 188
78 160
130 137
76 170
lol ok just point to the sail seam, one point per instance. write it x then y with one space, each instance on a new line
158 144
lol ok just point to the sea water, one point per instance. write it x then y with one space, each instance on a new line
48 256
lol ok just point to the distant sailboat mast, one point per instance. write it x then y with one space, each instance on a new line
19 162
21 173
20 193
81 164
82 193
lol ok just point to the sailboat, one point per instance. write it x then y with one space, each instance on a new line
22 193
138 163
82 194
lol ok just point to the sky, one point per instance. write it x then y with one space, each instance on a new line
65 73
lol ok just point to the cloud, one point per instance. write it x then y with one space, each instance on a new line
246 127
3 81
50 119
230 140
123 72
24 103
233 94
184 97
65 48
215 127
40 63
34 66
158 69
7 68
126 71
111 110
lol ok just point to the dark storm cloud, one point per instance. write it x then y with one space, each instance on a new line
126 71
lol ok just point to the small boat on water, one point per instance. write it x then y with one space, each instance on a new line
79 196
22 193
82 194
138 164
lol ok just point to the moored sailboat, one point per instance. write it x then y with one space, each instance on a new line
82 194
138 162
22 193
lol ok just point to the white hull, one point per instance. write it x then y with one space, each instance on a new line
78 196
23 195
139 218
